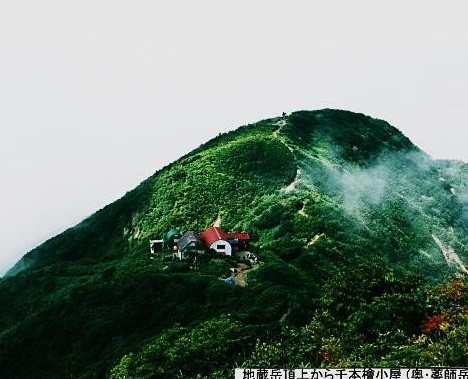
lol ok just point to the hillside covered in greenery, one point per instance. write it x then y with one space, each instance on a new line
361 239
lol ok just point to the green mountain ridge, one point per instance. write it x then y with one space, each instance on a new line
362 240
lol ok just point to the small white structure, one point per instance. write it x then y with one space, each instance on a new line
156 246
222 247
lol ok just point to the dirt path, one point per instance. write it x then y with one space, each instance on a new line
242 271
449 254
217 222
280 123
285 315
276 133
302 211
315 239
295 182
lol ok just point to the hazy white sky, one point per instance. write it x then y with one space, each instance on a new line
97 95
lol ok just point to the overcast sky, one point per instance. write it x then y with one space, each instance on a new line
95 96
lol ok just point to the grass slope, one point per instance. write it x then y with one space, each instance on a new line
343 210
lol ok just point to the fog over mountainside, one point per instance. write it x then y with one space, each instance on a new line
361 239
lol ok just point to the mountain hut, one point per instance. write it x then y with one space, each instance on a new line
189 242
215 238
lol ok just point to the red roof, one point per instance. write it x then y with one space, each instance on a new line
243 236
211 235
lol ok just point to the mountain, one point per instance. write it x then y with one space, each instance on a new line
361 239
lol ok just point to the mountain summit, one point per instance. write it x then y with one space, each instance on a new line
361 240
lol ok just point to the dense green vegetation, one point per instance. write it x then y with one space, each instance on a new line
345 214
